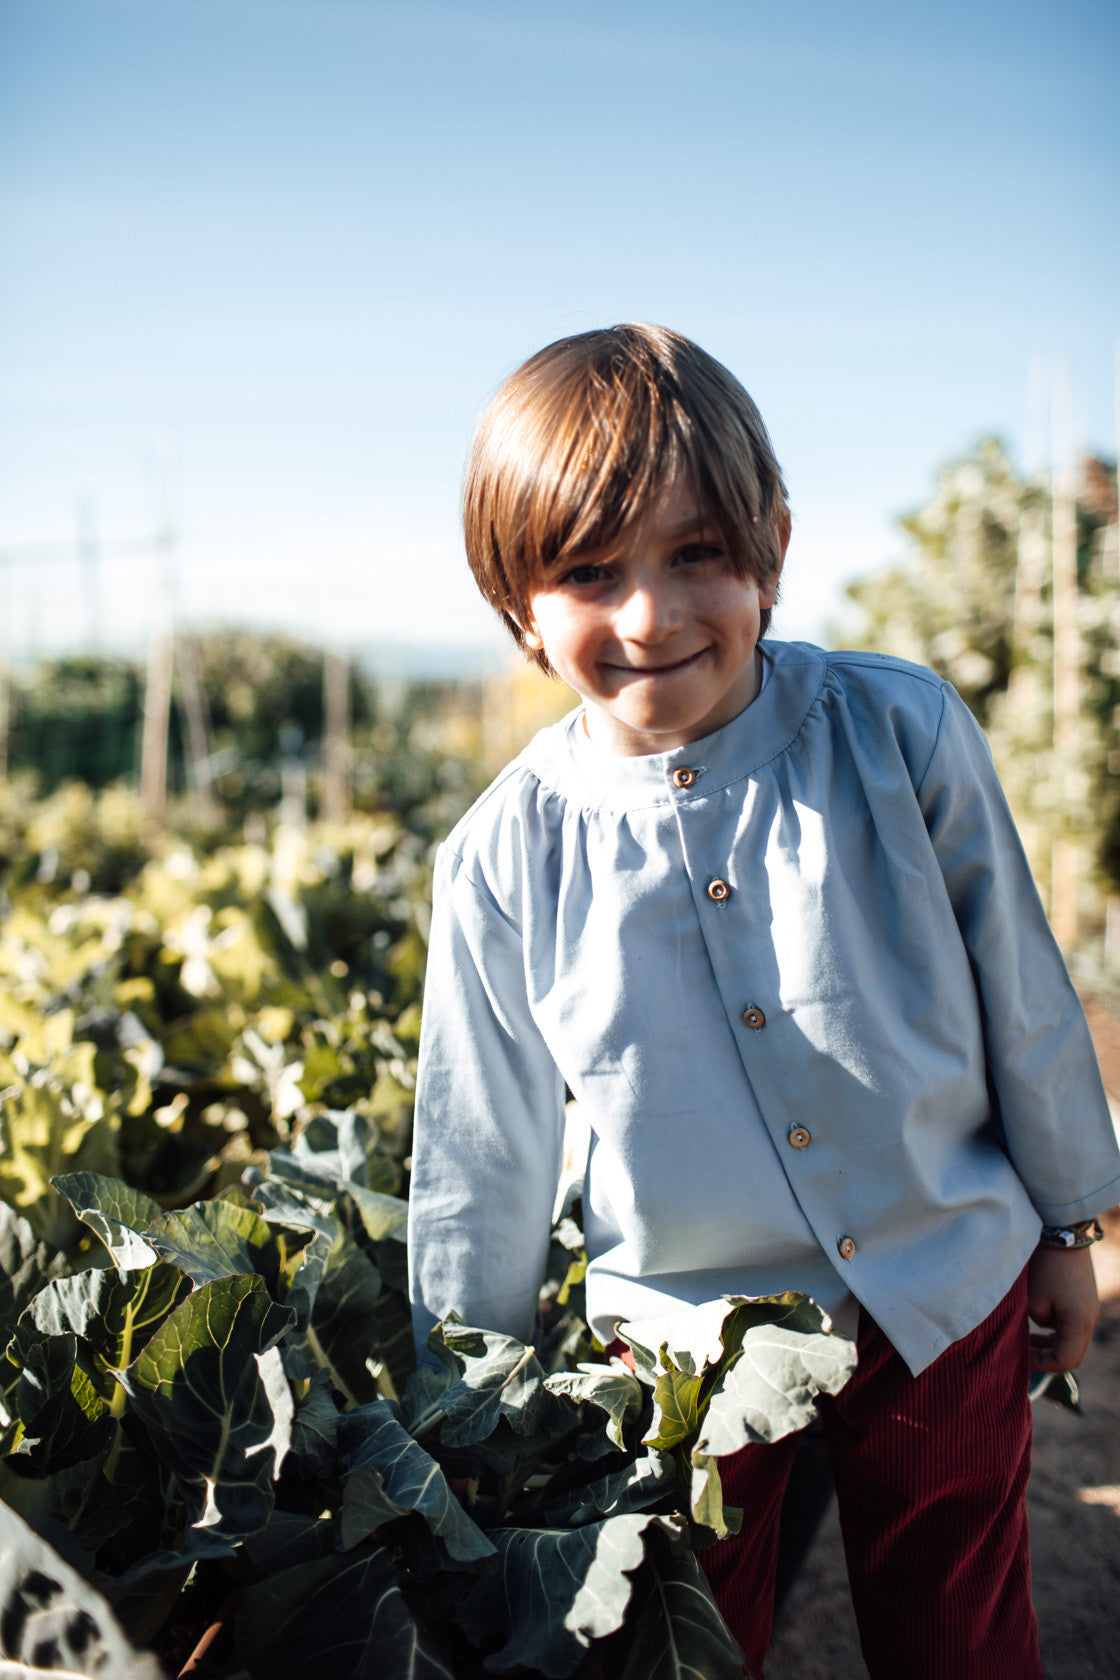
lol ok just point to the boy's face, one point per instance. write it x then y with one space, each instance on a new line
655 632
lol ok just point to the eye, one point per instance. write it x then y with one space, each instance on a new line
695 553
582 576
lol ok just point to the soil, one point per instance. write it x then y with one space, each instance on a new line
1074 1504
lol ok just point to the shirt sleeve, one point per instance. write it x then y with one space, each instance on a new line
488 1134
1057 1128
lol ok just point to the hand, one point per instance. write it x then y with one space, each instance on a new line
1062 1298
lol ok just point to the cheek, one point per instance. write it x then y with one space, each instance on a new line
567 636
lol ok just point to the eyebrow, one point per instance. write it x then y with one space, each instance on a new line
694 524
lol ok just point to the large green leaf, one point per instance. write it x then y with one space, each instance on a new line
674 1631
216 1402
706 1497
336 1619
338 1144
117 1214
553 1591
288 1539
219 1239
739 1369
676 1409
691 1339
51 1618
113 1317
366 1507
771 1387
411 1479
286 1204
302 1272
609 1388
498 1378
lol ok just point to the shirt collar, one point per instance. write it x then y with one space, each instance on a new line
566 759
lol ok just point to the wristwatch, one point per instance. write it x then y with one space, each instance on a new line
1082 1235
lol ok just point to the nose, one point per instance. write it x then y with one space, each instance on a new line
649 612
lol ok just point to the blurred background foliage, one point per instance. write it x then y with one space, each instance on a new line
974 598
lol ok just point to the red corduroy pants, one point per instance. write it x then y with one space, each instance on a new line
931 1478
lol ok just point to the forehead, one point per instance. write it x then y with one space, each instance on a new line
675 511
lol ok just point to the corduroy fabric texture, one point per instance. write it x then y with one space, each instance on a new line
931 1477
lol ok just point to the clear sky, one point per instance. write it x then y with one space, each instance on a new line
287 248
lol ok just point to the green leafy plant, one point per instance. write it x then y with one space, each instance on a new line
227 1398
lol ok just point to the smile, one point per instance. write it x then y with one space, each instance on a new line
659 670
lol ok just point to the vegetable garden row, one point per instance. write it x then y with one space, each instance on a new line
212 1437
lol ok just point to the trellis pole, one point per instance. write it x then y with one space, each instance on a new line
1065 858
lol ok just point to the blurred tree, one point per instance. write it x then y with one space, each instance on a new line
974 600
414 747
76 719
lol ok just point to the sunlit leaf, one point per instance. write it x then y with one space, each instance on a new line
676 1409
498 1378
771 1387
674 1631
611 1388
708 1508
112 1317
218 1239
553 1591
117 1213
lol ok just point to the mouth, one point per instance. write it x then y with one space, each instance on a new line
666 669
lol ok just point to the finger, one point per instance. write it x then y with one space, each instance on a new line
1069 1347
1042 1353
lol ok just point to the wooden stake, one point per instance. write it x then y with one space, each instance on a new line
1067 661
334 794
157 714
193 698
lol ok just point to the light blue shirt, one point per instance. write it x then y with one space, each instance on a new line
808 1001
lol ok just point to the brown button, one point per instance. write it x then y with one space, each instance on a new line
800 1138
684 777
754 1018
847 1247
719 890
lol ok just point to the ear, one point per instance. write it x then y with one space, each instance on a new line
530 635
783 528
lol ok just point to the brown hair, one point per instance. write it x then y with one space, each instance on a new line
575 444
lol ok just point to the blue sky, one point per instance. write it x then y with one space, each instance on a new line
279 252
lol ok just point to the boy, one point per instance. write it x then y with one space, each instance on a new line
763 910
